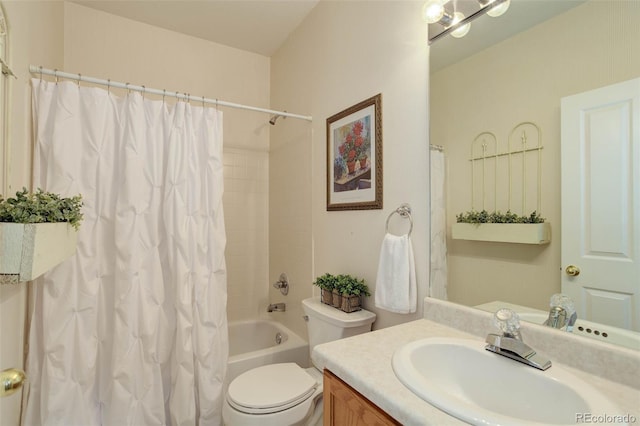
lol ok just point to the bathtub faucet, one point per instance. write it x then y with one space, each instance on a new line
277 307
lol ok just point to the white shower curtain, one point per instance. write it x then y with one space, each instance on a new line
438 276
132 330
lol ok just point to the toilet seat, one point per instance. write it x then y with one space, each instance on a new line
271 388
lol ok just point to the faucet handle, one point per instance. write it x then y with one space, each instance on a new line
508 322
562 312
562 301
282 284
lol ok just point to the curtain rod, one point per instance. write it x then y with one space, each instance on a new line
181 96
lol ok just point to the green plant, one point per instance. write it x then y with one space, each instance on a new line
497 217
41 207
348 285
326 282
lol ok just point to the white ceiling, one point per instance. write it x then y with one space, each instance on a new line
259 26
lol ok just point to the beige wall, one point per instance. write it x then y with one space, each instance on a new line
35 36
343 53
107 46
523 79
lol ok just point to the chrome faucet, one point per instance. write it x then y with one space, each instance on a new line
562 313
510 343
277 307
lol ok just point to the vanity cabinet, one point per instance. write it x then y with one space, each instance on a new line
344 406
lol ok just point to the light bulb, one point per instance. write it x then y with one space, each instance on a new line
433 11
499 9
463 30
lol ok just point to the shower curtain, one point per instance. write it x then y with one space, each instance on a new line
132 330
438 276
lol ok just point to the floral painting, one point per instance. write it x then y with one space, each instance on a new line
353 147
354 167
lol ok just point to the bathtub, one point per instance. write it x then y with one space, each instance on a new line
253 343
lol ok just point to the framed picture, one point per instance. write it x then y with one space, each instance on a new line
354 157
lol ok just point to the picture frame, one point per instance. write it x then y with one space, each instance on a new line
354 157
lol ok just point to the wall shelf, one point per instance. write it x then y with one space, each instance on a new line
29 250
521 233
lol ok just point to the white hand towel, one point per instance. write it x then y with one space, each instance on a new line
396 280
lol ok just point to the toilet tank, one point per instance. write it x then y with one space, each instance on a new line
326 323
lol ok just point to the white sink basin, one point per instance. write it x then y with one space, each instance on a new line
466 381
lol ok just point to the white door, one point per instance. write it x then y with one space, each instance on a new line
601 203
12 322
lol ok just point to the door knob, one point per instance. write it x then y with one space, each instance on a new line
572 270
11 380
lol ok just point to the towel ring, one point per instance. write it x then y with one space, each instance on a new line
405 211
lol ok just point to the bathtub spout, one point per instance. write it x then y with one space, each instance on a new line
277 307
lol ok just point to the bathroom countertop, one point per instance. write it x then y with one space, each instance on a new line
364 362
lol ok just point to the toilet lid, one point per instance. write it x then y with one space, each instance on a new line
271 388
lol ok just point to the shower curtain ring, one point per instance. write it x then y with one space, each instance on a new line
55 74
79 78
126 85
203 102
40 73
109 86
144 91
164 93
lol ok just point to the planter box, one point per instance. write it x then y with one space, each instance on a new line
326 297
336 299
350 303
27 250
521 233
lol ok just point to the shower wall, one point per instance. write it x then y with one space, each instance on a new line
246 211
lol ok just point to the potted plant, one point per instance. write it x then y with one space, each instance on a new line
351 290
37 231
326 283
501 227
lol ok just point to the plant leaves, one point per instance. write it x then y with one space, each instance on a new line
473 216
41 207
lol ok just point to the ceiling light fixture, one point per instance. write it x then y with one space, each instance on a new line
495 7
433 11
456 23
461 31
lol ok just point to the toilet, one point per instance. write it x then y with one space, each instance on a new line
286 394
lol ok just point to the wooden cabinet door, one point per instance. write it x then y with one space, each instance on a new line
344 406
